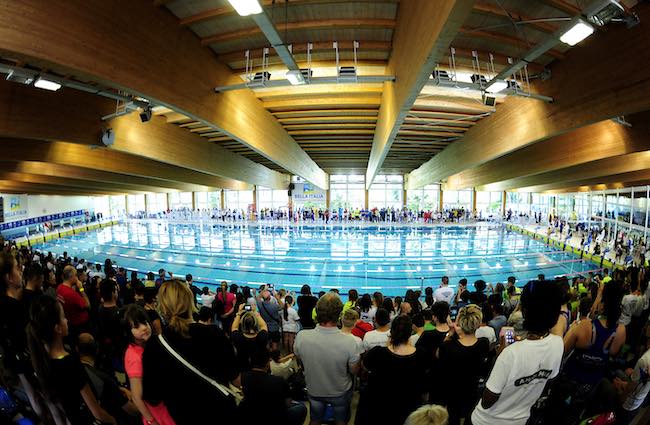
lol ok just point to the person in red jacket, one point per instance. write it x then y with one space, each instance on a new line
75 301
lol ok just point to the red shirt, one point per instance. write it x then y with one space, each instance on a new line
74 306
230 301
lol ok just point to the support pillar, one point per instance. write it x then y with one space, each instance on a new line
222 200
366 198
193 201
474 200
503 204
168 203
440 200
327 199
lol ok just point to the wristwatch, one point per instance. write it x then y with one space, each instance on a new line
149 421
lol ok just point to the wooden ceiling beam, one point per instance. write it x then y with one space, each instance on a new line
633 162
613 181
73 184
8 186
99 176
498 37
301 25
49 34
423 33
107 159
590 143
520 122
154 139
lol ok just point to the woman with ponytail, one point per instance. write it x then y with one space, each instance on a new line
166 375
62 377
290 321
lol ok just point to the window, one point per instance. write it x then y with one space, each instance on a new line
207 200
518 202
179 200
238 199
386 192
489 203
541 204
156 202
640 205
347 191
457 199
425 199
118 205
270 198
135 203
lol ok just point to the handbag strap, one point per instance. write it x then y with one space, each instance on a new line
224 390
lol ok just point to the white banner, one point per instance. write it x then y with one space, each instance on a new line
305 192
15 207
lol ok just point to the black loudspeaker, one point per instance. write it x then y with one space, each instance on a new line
292 186
489 100
289 192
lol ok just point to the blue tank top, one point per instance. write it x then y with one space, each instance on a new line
589 366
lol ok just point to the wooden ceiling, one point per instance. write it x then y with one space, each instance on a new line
185 48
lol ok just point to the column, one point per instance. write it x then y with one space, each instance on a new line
168 203
222 200
473 200
255 198
193 201
503 204
440 200
146 204
403 196
365 203
126 204
327 199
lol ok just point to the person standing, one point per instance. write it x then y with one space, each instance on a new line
330 358
75 302
522 369
444 293
269 309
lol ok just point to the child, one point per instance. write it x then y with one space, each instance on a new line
290 321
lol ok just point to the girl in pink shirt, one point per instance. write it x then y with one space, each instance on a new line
139 330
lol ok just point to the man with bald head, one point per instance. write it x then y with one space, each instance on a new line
269 309
75 301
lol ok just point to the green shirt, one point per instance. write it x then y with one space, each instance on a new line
429 326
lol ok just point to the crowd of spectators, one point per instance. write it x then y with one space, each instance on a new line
85 344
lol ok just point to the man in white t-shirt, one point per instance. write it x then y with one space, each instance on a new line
378 337
522 369
444 293
635 390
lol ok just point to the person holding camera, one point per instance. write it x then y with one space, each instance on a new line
249 334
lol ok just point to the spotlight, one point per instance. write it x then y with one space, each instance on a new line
578 32
496 86
246 7
42 83
295 77
145 115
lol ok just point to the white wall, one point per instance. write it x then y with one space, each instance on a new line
39 205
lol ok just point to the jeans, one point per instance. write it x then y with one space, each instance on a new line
340 407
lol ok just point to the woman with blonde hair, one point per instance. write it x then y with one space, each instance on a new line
429 414
463 361
182 366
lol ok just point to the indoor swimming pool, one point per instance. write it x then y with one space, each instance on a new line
390 259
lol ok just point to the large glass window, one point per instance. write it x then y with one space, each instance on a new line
118 205
239 199
624 206
386 192
135 204
457 199
270 198
541 204
207 200
518 202
489 203
425 199
179 200
639 205
156 202
347 191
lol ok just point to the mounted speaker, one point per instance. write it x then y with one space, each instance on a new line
291 186
108 137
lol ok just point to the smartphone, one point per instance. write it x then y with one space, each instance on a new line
508 334
453 312
248 307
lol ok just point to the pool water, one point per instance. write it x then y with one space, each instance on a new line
390 259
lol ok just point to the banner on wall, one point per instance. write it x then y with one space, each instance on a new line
304 192
14 207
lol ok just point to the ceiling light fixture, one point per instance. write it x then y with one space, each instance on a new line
578 32
496 86
295 77
246 7
42 83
